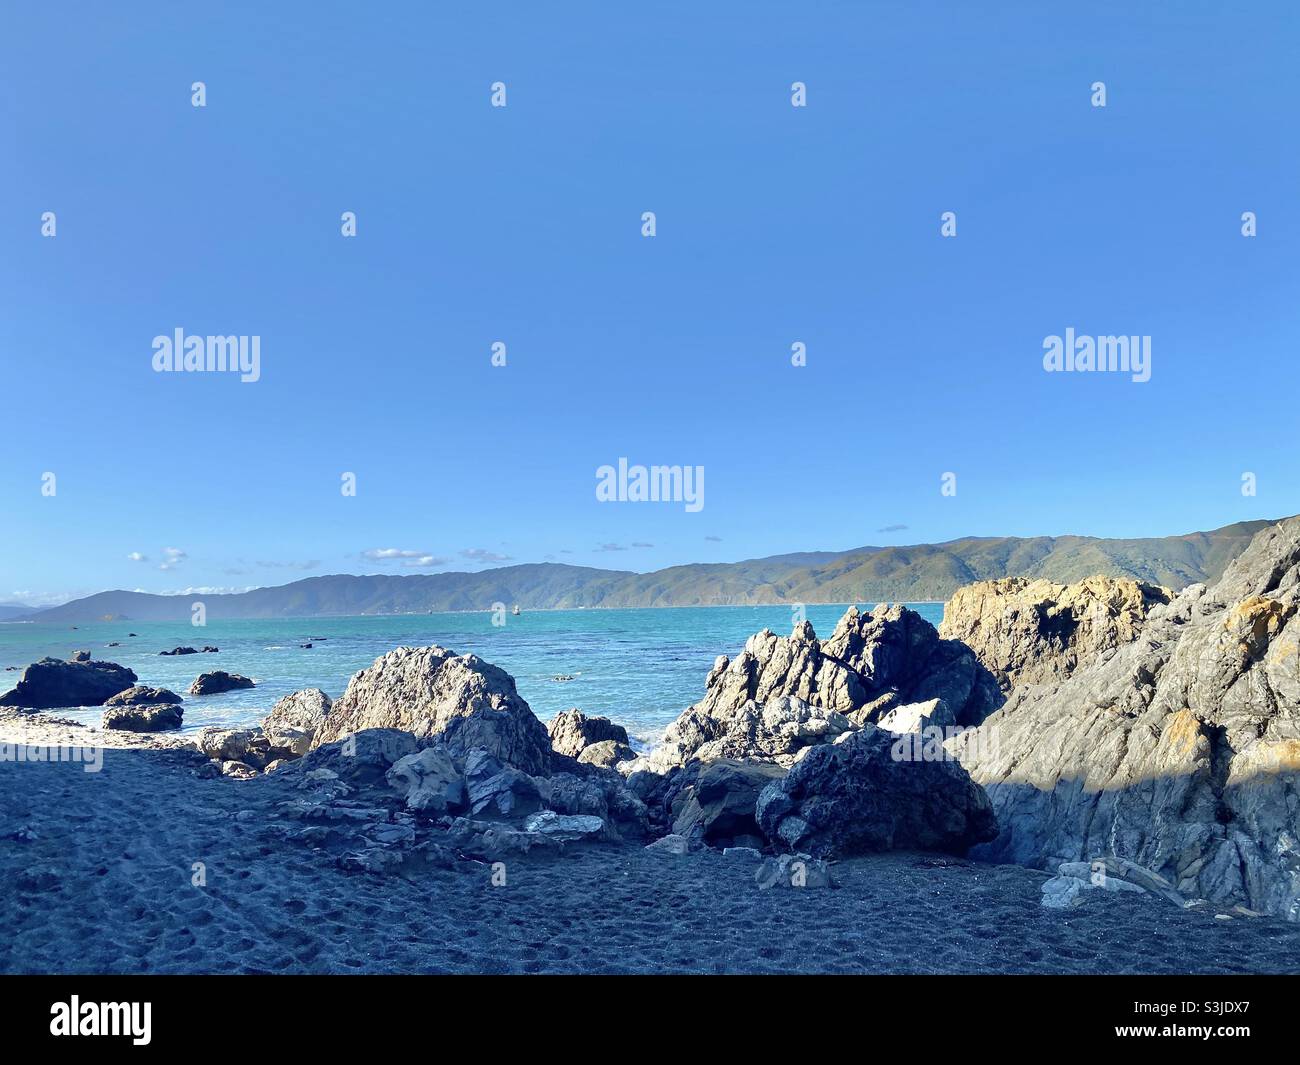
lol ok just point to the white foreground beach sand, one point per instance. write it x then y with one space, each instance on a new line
98 874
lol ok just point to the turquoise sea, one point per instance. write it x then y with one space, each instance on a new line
639 667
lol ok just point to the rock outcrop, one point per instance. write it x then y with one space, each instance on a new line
293 721
1179 751
784 694
573 733
867 793
431 692
52 682
1028 632
219 681
143 717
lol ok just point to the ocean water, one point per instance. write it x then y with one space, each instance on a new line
639 667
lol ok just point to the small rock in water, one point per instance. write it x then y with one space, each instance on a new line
219 681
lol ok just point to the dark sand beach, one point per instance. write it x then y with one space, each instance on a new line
96 876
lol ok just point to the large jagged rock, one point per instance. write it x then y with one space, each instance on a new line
293 721
431 691
867 793
1179 751
574 734
1028 632
52 682
783 694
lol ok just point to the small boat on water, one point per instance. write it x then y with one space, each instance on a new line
515 611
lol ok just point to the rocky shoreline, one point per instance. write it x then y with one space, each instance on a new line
1105 735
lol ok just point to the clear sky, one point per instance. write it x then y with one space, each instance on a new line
522 224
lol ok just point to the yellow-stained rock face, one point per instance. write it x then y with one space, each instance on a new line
1279 756
1029 631
1184 737
1255 621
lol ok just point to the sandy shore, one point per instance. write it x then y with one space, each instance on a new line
98 871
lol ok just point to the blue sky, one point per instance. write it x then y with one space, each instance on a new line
522 224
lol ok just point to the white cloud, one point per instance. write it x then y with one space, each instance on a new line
408 558
479 554
135 556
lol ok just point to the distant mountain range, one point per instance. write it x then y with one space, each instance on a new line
14 610
865 574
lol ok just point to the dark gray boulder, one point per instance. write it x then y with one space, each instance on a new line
869 793
143 695
219 681
718 809
507 794
51 682
606 753
361 759
148 717
429 781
